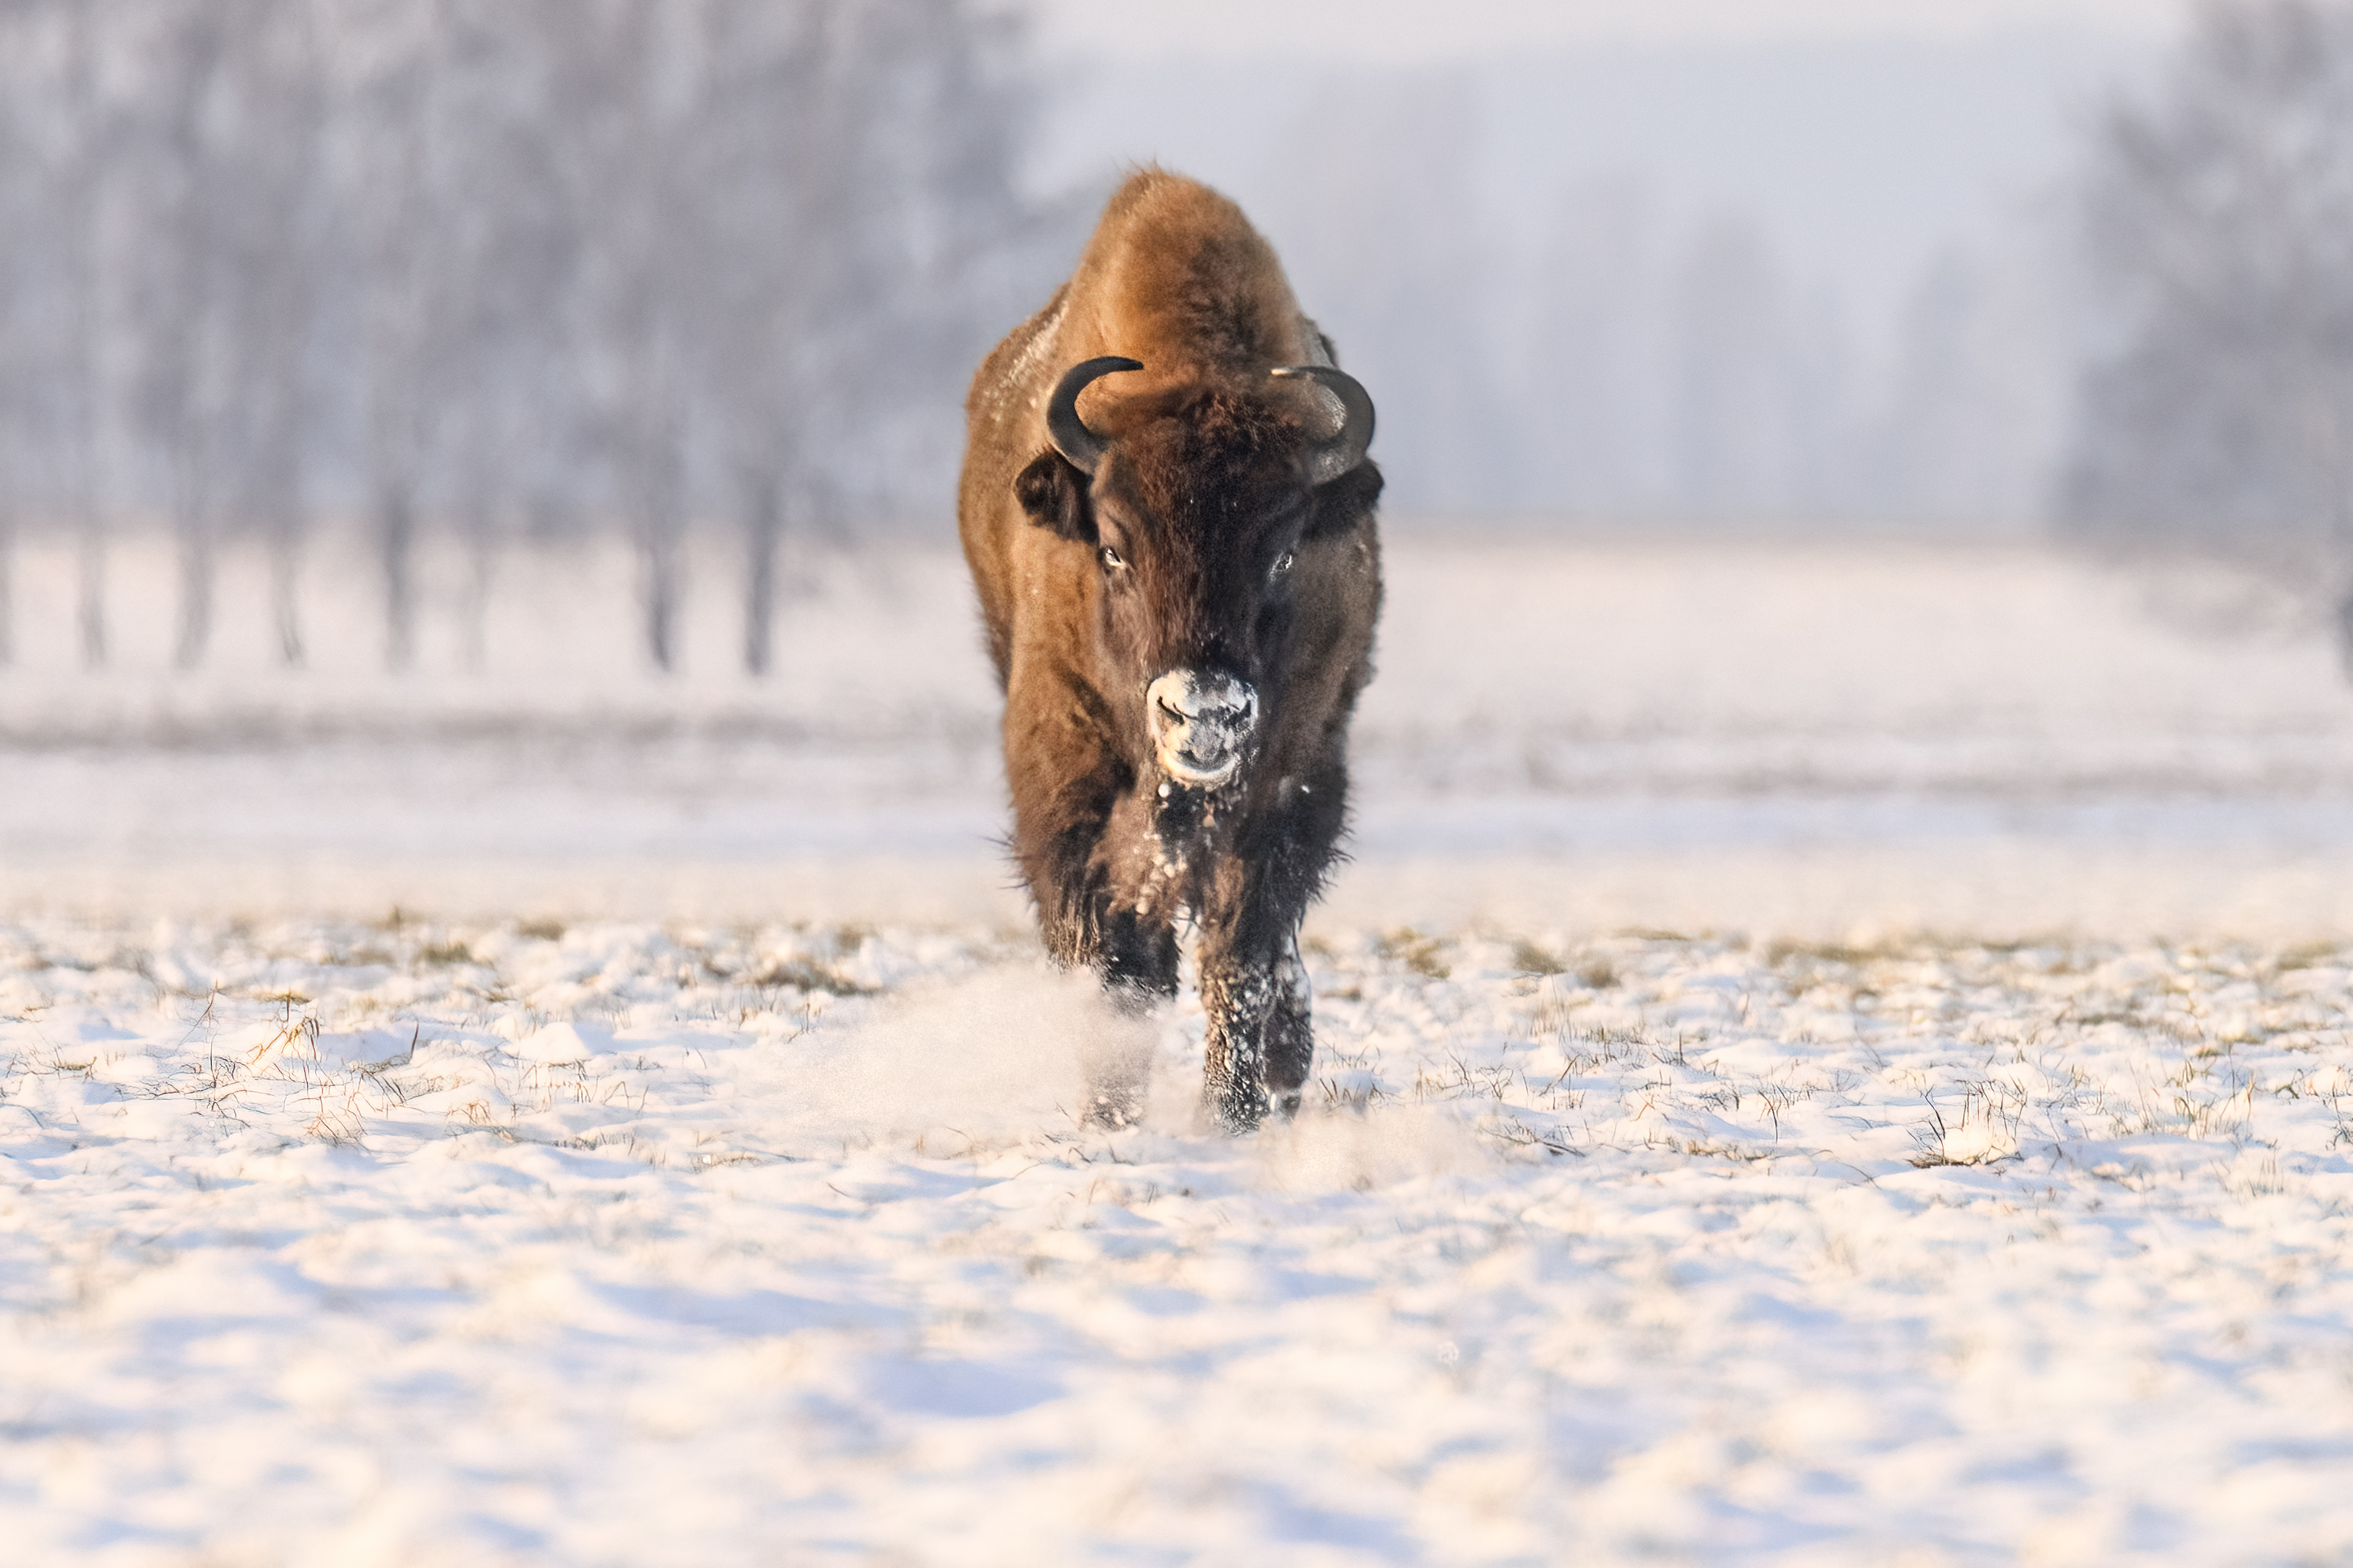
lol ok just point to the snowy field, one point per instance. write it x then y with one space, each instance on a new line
1814 741
1826 1054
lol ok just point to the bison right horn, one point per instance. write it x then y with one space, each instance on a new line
1329 459
1068 433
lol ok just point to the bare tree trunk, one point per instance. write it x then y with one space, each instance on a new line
81 349
186 317
192 538
195 563
286 592
275 491
7 578
400 338
286 287
196 599
2340 626
481 564
763 526
89 584
396 542
658 585
658 526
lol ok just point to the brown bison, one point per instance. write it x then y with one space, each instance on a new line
1169 515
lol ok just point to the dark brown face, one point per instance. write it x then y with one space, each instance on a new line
1195 515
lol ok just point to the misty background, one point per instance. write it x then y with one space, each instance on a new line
1732 284
400 280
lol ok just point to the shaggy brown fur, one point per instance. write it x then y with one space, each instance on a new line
1197 544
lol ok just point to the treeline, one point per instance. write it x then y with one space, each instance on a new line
2218 415
490 266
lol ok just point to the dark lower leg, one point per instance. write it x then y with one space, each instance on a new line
1139 971
1117 1060
1236 998
1289 1032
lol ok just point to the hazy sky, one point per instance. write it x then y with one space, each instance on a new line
1867 139
1402 30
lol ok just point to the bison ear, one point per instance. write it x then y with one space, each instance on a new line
1054 494
1340 504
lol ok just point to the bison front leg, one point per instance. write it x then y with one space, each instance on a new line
1238 997
1260 1037
1138 966
1141 891
1289 1031
1099 906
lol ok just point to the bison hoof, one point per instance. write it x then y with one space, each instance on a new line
1239 1111
1114 1101
1114 1108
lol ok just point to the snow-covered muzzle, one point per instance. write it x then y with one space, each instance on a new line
1201 725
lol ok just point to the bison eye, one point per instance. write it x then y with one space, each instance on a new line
1112 558
1282 564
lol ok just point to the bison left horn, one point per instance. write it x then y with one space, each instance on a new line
1068 433
1329 459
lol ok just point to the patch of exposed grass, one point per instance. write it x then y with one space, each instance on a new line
1983 1131
1530 958
806 976
1416 952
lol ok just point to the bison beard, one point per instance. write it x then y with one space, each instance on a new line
1180 585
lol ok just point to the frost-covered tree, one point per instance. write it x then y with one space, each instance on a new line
760 322
2218 218
441 264
881 266
62 137
272 195
18 379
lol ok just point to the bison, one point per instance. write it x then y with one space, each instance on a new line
1169 517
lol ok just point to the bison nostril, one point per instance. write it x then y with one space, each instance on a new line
1203 715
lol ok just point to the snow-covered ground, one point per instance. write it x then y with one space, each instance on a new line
340 1244
1813 740
1826 1054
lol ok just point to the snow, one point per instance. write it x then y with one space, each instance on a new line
1781 738
1692 1251
1825 1056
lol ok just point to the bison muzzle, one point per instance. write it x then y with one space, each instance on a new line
1169 517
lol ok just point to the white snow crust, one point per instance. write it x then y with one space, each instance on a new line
1808 739
1826 1054
338 1244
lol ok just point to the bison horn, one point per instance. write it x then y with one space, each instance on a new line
1329 459
1068 433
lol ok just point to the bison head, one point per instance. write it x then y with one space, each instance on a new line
1196 501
